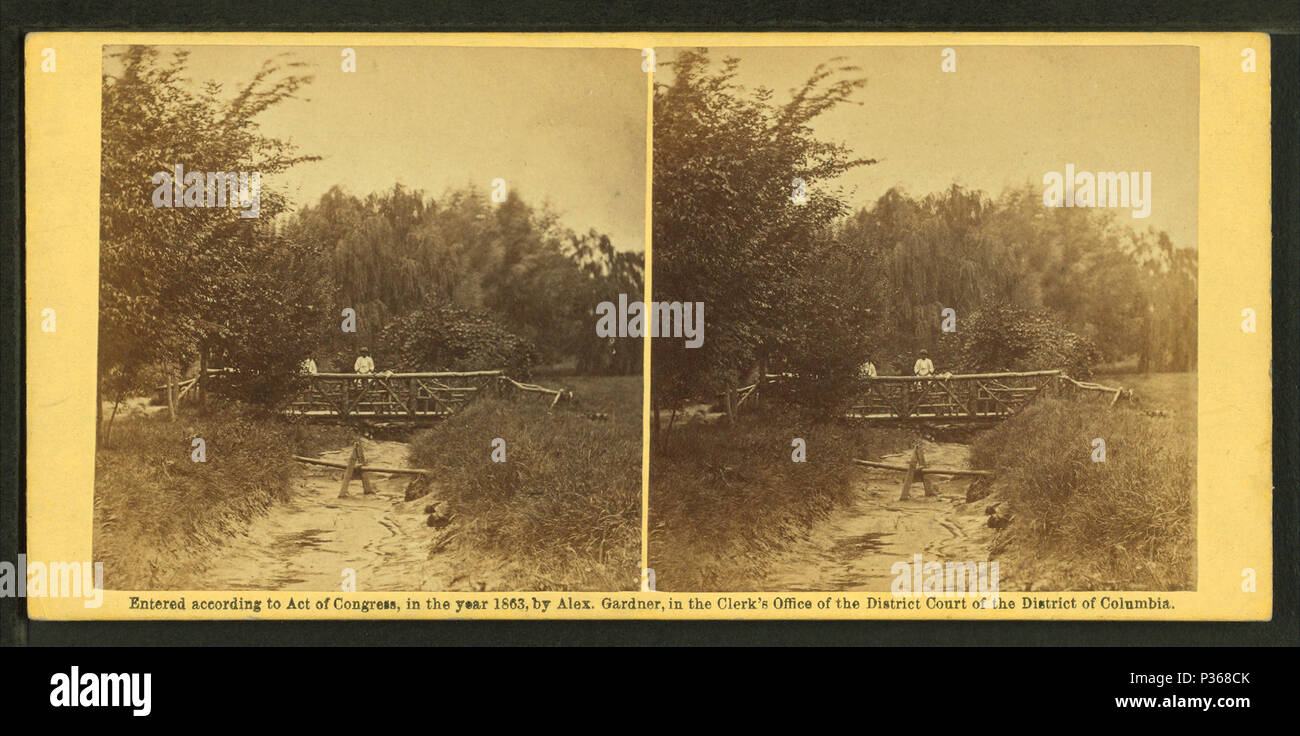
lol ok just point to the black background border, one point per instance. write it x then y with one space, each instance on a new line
1281 19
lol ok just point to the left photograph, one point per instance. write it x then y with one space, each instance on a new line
347 318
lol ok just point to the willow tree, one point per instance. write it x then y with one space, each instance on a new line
509 264
1130 294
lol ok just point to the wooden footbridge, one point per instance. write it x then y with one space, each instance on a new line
969 398
402 397
965 398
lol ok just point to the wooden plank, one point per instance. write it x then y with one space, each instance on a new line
926 471
966 376
363 392
188 385
989 392
367 468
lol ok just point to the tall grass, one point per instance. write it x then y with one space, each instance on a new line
156 509
1128 523
564 511
725 501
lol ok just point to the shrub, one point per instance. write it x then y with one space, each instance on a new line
1002 337
443 337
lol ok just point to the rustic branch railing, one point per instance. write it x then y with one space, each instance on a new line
555 393
391 396
405 397
1115 392
967 397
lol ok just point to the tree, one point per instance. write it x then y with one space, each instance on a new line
1130 294
182 282
514 265
727 230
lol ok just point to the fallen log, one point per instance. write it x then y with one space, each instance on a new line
925 470
363 469
1090 386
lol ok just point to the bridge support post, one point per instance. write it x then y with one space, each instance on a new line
919 451
355 464
361 462
347 473
908 477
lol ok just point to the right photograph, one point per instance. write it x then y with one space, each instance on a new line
949 333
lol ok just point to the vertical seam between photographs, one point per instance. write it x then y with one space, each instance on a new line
645 299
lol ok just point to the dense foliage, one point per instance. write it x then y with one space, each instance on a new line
507 267
815 290
454 282
731 230
441 337
1125 524
1002 337
177 283
1129 293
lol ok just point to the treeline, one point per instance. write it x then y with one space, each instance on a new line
453 282
747 218
1027 284
461 282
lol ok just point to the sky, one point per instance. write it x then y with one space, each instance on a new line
1006 117
567 126
564 126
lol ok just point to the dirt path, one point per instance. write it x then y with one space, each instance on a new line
857 545
308 541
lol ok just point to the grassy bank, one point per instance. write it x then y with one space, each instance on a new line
564 510
725 501
1127 523
155 507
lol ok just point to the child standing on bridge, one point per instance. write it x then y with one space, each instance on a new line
923 366
365 363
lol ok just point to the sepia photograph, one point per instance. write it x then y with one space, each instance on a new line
950 342
347 332
347 307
